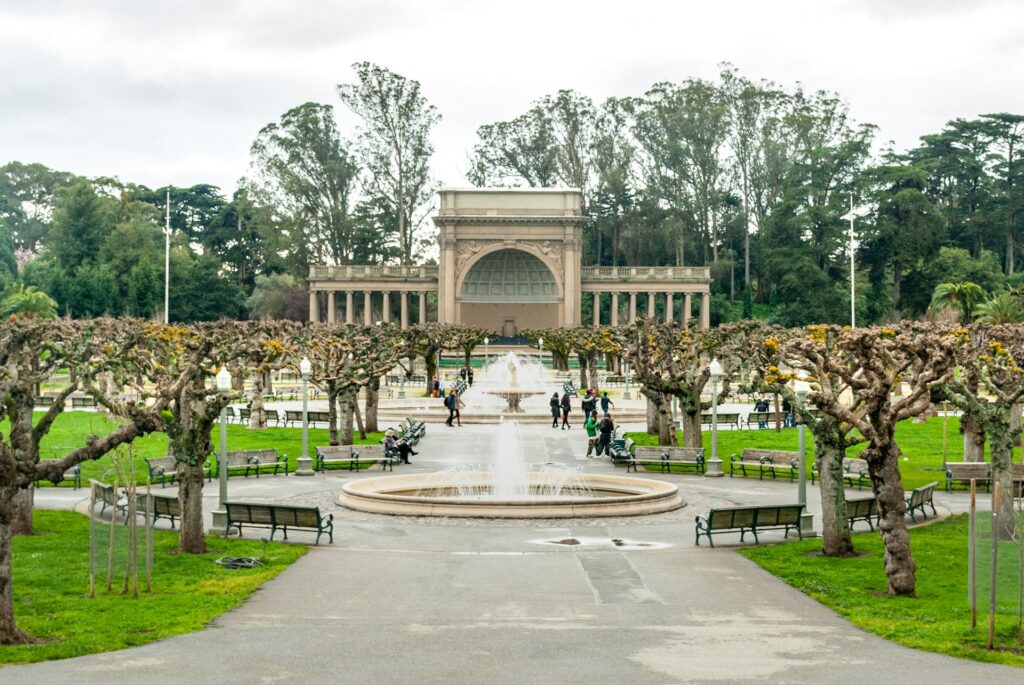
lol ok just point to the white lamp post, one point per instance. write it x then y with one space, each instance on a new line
625 375
486 356
304 465
806 519
540 351
220 516
714 469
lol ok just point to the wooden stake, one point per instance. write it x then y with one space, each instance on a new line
92 538
110 547
995 564
972 561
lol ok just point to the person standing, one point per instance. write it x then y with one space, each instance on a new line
470 378
591 428
589 403
449 403
607 430
606 402
761 407
556 409
566 405
459 405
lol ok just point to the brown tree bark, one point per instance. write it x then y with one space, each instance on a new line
691 429
257 412
347 403
583 371
1001 451
829 453
192 536
883 459
21 515
653 418
974 438
592 372
372 404
10 634
332 412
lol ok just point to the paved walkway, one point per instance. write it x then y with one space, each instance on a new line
406 600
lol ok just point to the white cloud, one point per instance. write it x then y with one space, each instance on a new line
175 92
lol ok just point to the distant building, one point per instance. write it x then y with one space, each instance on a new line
509 259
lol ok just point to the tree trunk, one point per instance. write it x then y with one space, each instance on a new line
347 405
666 428
257 413
21 516
192 537
691 429
10 634
268 382
358 416
430 359
372 404
974 438
583 371
332 413
887 484
653 417
1001 451
829 453
592 372
778 420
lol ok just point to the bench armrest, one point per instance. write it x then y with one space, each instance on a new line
735 457
767 460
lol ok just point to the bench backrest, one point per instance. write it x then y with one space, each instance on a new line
853 465
242 512
736 517
319 417
243 457
167 463
368 451
297 516
104 492
865 506
722 417
966 470
272 415
292 415
690 454
328 451
919 496
163 505
786 514
774 456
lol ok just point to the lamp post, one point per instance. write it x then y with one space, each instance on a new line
625 375
714 469
806 519
486 357
220 516
304 464
540 352
167 260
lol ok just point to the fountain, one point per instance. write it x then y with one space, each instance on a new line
510 488
512 392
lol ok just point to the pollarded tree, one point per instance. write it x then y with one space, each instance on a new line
987 360
31 352
558 341
429 340
468 338
590 343
876 363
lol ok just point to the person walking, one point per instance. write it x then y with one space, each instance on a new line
607 430
589 403
449 403
606 402
566 405
591 427
556 410
459 406
470 378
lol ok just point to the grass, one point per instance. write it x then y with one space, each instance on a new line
51 586
938 620
71 429
921 444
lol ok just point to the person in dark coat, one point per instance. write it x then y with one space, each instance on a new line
566 405
607 430
556 410
605 403
449 403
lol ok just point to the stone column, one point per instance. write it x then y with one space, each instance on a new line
597 309
386 307
650 305
668 307
367 307
314 306
348 307
687 308
423 307
632 307
405 310
615 309
705 311
330 306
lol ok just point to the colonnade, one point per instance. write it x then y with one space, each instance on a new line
685 307
341 304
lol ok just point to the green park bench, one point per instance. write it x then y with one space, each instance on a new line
74 474
862 509
665 457
765 463
745 520
165 469
724 419
256 461
278 517
768 418
918 498
855 472
163 507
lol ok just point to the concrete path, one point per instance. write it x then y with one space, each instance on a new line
402 600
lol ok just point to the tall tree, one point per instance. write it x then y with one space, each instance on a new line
394 145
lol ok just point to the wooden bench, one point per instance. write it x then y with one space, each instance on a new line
980 471
750 520
45 400
278 517
766 417
230 415
105 496
166 469
354 456
82 402
729 419
291 416
255 461
665 457
765 462
74 474
918 498
855 472
862 509
164 507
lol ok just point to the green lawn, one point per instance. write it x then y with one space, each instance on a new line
71 429
51 588
921 444
938 620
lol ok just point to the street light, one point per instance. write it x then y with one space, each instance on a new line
540 351
220 517
715 367
625 393
304 463
486 359
167 260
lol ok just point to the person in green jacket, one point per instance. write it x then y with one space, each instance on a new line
591 427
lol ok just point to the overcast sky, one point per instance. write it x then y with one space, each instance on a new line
174 92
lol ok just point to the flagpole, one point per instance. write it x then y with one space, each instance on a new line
853 274
167 260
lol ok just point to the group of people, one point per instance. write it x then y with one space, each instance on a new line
599 431
761 408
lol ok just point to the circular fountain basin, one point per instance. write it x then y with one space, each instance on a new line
430 495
